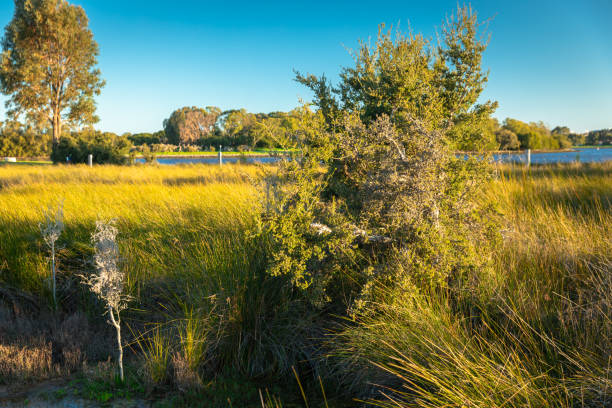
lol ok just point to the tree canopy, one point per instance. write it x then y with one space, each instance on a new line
599 137
412 80
188 125
48 65
537 135
22 141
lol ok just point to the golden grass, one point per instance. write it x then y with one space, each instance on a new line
160 211
80 174
542 338
543 335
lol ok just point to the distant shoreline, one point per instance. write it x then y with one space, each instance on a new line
255 154
196 155
568 150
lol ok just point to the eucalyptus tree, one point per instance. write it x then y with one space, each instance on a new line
237 123
48 65
190 124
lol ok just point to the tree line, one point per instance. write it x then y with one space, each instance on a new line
210 127
205 129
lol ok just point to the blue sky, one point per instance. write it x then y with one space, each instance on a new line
549 60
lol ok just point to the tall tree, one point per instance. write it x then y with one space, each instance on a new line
188 125
48 65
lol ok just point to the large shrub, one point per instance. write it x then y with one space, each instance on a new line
507 140
105 148
376 194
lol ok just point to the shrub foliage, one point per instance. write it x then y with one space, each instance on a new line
391 203
105 148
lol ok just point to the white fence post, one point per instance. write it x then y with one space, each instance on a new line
220 157
528 157
90 160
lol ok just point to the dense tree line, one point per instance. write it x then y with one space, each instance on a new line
599 137
242 130
210 127
534 135
514 134
236 127
17 140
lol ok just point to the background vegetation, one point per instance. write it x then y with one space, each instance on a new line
240 130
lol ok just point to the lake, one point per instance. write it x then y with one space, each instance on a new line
585 155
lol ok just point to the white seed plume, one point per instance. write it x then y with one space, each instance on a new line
52 227
108 281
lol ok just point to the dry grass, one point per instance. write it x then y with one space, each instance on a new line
43 346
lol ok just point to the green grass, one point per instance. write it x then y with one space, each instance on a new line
193 265
206 324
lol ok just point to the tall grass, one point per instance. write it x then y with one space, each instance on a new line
542 336
194 268
163 215
536 333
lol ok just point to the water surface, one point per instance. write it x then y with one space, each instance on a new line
583 154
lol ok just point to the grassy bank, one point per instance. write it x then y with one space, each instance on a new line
206 325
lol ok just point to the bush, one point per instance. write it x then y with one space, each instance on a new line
19 141
391 204
163 148
190 148
507 140
139 139
106 148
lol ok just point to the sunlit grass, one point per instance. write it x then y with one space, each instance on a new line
543 335
539 334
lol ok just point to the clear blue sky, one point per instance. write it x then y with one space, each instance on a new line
549 60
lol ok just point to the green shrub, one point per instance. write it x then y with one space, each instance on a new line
105 148
376 194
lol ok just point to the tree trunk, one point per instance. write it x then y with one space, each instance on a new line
57 129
